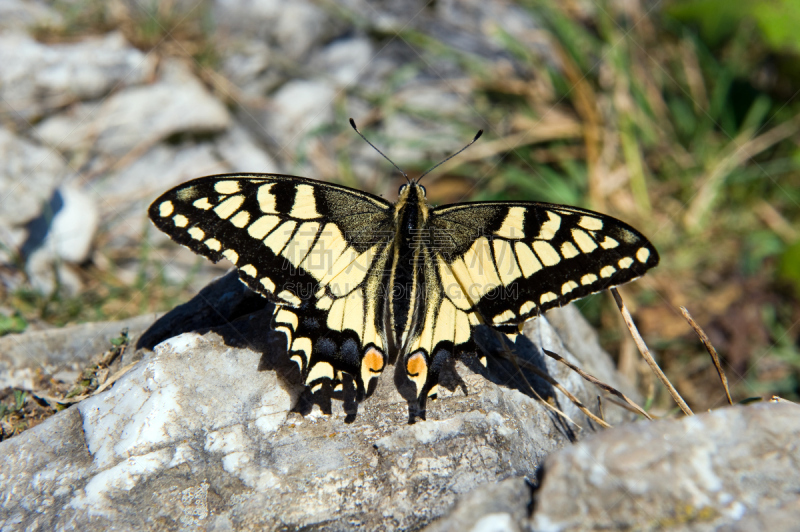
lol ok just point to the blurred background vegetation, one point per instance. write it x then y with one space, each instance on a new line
680 117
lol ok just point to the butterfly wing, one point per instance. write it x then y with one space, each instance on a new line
502 263
513 261
314 249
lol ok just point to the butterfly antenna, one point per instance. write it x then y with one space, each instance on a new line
353 124
477 136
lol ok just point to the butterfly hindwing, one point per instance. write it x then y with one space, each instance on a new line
445 331
314 249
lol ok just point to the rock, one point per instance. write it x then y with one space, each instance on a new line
194 436
29 174
245 65
41 448
291 26
416 139
124 196
733 468
62 233
166 428
494 507
344 60
224 300
300 25
721 470
240 151
427 98
66 228
251 18
298 108
485 30
138 117
41 222
162 167
388 17
582 341
66 349
489 23
16 14
37 78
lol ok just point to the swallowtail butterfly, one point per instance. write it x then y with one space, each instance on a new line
360 284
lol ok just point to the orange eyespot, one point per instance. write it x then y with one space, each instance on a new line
416 365
373 360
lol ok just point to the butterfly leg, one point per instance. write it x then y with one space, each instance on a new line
350 397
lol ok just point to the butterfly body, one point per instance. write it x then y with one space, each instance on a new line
361 284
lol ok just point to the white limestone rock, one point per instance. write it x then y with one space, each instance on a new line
242 153
298 108
73 227
293 27
494 507
245 64
733 468
435 98
415 139
138 117
299 26
194 436
730 469
37 78
61 352
29 173
345 60
16 14
68 239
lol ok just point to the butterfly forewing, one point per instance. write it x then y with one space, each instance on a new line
512 261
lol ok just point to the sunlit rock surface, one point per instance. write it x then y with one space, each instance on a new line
195 435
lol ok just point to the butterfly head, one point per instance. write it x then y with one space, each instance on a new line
406 189
411 203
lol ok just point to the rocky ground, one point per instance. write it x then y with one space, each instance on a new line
192 436
174 427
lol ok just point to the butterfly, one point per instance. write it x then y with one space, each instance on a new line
361 284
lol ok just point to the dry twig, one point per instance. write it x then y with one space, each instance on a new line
547 405
600 407
711 351
53 401
555 384
646 353
594 380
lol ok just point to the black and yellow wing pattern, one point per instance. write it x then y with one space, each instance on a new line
360 283
315 250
